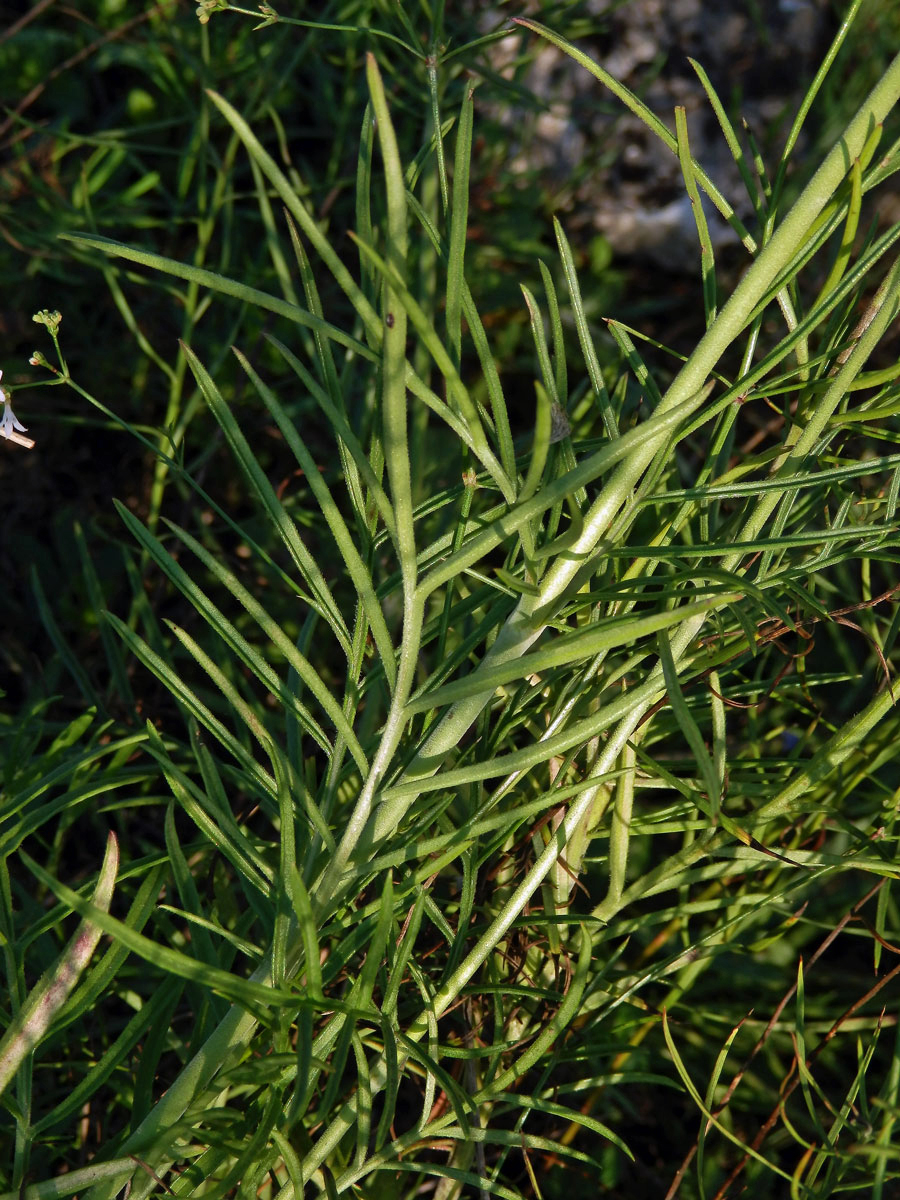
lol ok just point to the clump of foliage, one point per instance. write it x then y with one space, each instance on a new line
511 768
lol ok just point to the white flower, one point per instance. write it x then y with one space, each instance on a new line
10 425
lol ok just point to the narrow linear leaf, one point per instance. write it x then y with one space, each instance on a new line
280 518
707 257
569 648
584 336
459 219
55 986
298 211
253 996
357 569
226 287
394 416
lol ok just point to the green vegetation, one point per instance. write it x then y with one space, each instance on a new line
449 743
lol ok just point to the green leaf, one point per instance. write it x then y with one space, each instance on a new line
55 986
226 287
